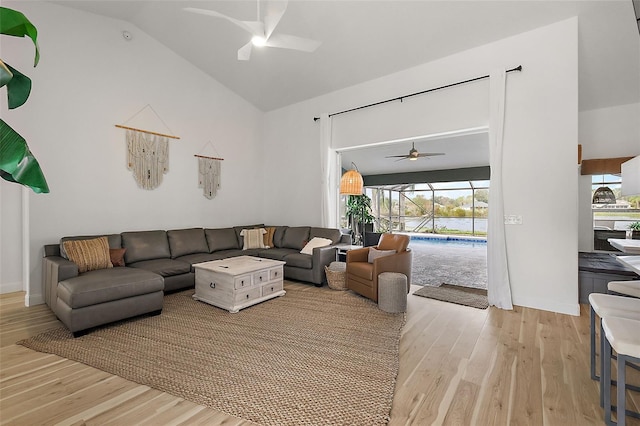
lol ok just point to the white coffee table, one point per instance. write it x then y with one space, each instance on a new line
238 282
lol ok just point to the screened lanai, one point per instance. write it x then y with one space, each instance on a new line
458 207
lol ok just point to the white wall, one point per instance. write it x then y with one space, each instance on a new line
89 79
541 137
610 132
604 133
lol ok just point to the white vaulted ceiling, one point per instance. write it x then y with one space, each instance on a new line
363 40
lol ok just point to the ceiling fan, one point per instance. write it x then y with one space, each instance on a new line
262 31
414 154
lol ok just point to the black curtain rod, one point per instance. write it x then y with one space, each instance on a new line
401 98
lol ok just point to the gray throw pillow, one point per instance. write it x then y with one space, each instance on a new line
375 253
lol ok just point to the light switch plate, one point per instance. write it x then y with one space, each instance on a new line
512 219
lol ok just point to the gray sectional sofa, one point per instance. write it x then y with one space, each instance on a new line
161 261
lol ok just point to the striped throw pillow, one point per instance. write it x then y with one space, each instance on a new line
89 255
253 238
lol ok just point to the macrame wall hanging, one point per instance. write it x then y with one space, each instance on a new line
147 153
209 173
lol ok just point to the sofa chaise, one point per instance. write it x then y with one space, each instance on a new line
153 262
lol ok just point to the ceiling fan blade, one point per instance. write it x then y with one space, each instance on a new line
244 53
397 156
430 154
254 27
286 41
275 11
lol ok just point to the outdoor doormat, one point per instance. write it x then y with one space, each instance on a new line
467 296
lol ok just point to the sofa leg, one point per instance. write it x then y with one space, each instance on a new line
80 333
319 285
88 330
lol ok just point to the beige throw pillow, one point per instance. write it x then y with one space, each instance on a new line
253 238
375 253
89 255
315 242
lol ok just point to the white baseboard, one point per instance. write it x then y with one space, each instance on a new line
551 306
34 299
10 287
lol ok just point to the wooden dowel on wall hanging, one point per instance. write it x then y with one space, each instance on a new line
147 131
206 156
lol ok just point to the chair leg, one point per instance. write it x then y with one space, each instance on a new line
605 381
621 391
605 355
592 320
605 387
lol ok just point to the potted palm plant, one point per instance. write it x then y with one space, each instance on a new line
358 210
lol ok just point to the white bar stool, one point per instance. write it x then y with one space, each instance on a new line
605 305
626 288
622 335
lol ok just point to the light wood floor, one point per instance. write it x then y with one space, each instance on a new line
458 366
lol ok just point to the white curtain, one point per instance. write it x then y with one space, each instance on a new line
499 286
328 180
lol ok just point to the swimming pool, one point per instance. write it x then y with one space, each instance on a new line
449 240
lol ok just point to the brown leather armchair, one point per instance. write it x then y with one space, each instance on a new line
362 276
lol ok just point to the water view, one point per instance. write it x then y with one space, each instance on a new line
460 224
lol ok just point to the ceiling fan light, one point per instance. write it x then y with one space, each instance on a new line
258 41
413 158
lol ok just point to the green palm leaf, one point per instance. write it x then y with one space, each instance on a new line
5 74
15 24
18 88
17 164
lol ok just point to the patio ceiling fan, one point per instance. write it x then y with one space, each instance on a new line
262 30
414 154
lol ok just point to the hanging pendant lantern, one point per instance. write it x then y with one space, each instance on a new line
604 195
351 182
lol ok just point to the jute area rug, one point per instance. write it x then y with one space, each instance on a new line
314 356
474 297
